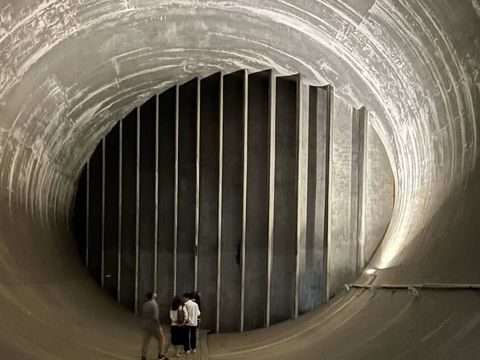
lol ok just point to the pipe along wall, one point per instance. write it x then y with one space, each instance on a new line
248 187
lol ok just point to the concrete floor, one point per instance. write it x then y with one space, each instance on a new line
384 325
70 70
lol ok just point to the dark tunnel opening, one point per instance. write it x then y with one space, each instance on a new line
236 186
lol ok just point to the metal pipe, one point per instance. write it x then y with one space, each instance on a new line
426 286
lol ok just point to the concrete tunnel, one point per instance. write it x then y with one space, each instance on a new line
71 71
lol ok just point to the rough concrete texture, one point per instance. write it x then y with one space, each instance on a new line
71 69
379 190
342 251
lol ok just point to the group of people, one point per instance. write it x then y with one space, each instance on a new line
184 317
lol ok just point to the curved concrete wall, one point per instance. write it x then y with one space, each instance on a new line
71 69
379 190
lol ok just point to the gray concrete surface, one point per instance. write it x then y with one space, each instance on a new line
257 202
312 278
282 301
147 224
379 193
111 206
209 190
70 70
187 230
129 219
232 200
342 248
293 274
166 198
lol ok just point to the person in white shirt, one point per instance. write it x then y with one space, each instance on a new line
192 323
179 317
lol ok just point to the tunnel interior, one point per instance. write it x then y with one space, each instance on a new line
71 71
248 187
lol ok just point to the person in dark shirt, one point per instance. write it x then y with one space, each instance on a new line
151 326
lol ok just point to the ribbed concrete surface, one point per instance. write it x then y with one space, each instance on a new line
71 69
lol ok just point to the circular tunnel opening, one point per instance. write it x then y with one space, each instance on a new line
264 193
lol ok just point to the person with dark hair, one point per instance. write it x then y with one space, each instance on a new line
192 323
179 317
196 297
151 326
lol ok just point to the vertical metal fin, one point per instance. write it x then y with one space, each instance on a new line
271 192
155 229
362 175
220 202
244 200
175 219
300 143
137 211
87 221
326 247
197 183
119 254
102 265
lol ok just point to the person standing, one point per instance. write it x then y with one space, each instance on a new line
196 298
179 317
192 323
151 327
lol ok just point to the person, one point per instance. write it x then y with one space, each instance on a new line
196 297
151 327
191 326
179 317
